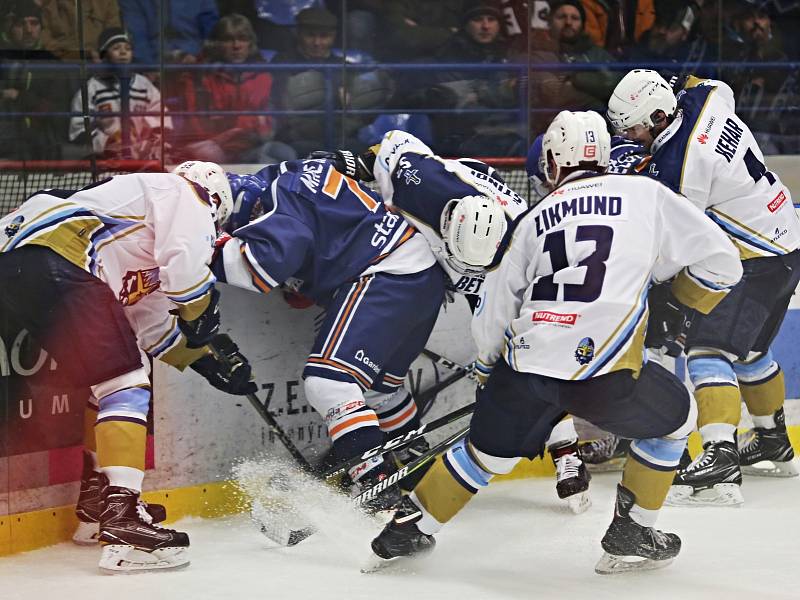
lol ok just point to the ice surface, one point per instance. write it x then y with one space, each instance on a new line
515 540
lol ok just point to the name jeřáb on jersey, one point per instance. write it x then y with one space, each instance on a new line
729 140
552 215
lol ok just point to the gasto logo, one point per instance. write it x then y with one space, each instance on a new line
584 353
13 227
545 316
702 138
521 345
776 203
365 360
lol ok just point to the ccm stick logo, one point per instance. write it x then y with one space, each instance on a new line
545 316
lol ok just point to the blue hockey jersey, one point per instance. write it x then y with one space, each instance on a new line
319 229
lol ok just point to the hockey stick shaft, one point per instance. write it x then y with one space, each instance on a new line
408 469
448 364
404 440
267 417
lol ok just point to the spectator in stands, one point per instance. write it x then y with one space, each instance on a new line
118 90
273 20
479 41
306 89
617 24
60 34
230 138
186 25
415 29
761 92
571 89
27 87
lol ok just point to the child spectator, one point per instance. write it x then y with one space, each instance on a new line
230 138
117 90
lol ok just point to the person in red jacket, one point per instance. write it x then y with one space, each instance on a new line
244 137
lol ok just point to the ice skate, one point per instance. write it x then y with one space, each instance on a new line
605 454
572 478
632 547
714 478
400 538
767 452
130 540
89 503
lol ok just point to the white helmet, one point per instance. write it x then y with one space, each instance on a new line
637 96
211 177
472 228
575 139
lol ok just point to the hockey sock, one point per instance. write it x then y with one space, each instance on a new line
715 389
89 420
563 433
763 388
650 469
397 412
121 434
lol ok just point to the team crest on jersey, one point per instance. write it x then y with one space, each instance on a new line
13 227
138 284
584 353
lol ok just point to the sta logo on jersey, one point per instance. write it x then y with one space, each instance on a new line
138 284
13 227
584 353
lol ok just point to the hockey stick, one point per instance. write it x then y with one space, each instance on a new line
402 441
414 465
262 409
449 364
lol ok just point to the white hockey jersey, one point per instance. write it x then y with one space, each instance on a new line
709 155
149 237
413 180
569 297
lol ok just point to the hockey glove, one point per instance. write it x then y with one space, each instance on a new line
667 321
199 332
226 369
355 166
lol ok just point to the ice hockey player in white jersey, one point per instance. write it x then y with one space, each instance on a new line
449 201
561 329
701 149
93 274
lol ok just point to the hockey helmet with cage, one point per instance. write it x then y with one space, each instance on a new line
472 228
211 177
575 139
637 97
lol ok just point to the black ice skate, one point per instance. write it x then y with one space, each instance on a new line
758 445
400 537
572 478
130 540
714 478
382 499
605 454
632 547
89 502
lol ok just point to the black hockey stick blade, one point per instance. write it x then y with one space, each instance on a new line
449 364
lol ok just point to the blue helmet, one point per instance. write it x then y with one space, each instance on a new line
534 166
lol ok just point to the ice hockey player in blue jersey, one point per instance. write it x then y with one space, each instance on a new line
325 236
701 149
447 200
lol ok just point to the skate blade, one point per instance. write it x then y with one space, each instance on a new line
722 494
117 559
768 468
610 564
376 564
580 502
87 534
609 466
